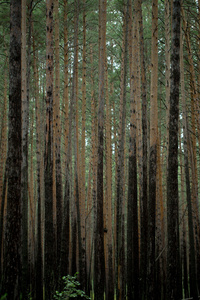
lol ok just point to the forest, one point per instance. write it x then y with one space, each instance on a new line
99 149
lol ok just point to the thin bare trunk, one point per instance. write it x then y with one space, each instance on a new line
48 157
153 152
99 263
13 235
108 200
82 181
132 213
187 148
3 154
173 260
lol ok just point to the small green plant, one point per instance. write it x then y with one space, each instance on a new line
71 289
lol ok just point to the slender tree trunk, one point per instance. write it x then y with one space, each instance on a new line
187 141
143 203
120 257
132 214
173 263
48 157
39 261
64 263
32 210
108 200
82 181
183 246
24 180
153 153
93 164
3 154
76 225
99 263
167 66
195 118
57 135
12 255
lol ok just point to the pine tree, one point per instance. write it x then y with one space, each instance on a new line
173 263
48 158
12 268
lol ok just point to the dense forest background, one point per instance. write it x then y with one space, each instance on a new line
99 148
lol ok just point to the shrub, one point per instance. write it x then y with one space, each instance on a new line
71 289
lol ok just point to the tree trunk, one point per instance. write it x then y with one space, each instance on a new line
13 234
143 203
24 180
99 263
187 147
120 257
108 200
3 154
132 213
57 137
173 263
39 261
167 66
48 157
64 262
82 181
153 153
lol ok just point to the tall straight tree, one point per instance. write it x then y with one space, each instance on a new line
12 254
132 213
57 137
38 258
24 179
108 199
173 272
187 148
74 100
82 182
94 159
153 151
3 153
64 260
143 200
99 263
120 255
48 156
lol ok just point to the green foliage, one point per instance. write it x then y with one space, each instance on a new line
71 289
4 297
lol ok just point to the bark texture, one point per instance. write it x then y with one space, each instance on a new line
173 264
12 254
48 157
99 262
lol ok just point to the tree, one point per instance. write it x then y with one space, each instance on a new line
82 173
48 157
64 260
120 251
99 263
12 253
187 149
132 214
57 137
38 259
24 172
153 152
108 199
173 263
3 154
144 198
